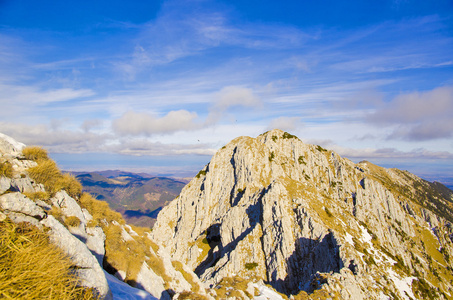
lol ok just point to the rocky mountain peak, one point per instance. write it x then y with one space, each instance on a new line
305 220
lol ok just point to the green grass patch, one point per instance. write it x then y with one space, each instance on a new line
287 135
320 149
301 160
271 156
201 173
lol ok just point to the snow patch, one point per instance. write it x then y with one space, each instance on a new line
348 238
266 293
366 237
123 291
403 285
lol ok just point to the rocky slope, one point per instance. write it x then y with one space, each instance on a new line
34 191
309 222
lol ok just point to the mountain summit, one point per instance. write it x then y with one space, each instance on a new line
309 222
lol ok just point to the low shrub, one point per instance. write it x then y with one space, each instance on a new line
271 156
251 266
201 173
31 267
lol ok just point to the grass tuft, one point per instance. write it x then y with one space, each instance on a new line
35 153
31 267
48 174
186 295
44 196
188 277
6 169
70 184
72 221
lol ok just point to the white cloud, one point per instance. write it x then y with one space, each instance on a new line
141 147
391 153
133 123
13 95
55 140
286 123
232 96
417 116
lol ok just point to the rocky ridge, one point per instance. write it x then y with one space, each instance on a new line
309 222
92 236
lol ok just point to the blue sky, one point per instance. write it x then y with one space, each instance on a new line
159 86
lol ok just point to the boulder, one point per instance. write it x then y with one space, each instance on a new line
89 270
17 202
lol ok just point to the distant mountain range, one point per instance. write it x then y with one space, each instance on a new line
137 196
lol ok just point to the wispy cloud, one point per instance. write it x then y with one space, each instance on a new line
286 123
371 153
133 123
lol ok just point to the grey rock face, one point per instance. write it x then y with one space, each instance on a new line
17 202
10 146
5 184
152 283
285 211
89 269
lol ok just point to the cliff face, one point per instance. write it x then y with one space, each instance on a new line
300 217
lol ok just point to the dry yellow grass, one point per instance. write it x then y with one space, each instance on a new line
6 169
236 283
57 213
186 295
188 277
33 268
35 153
44 196
157 265
100 210
70 184
48 174
72 221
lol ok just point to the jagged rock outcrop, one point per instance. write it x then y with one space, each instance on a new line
302 218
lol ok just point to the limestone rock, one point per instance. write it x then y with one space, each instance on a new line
275 208
68 205
17 202
9 145
88 267
5 184
123 291
152 283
